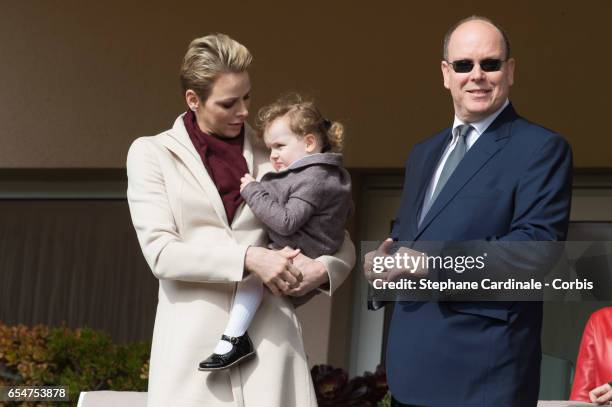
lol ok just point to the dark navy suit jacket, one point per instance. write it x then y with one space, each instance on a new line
513 184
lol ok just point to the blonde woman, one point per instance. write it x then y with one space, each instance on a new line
200 240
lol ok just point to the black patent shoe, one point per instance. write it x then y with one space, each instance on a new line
242 349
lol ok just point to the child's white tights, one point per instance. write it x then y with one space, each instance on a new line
247 300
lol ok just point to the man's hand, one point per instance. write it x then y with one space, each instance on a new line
601 394
398 271
246 180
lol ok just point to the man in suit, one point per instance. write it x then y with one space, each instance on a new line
491 176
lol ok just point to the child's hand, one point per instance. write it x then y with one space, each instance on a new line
246 180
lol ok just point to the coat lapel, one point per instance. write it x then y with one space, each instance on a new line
249 154
177 140
491 141
247 150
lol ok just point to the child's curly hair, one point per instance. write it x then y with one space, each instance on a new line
304 118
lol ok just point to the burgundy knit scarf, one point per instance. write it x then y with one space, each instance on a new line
223 160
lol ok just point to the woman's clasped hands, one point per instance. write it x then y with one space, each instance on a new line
275 268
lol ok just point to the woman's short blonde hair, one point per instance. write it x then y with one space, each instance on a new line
209 56
304 118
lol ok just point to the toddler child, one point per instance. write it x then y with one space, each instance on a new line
304 204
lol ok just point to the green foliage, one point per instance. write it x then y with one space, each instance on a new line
385 402
82 359
88 360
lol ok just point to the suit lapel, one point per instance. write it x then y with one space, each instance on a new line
178 142
431 161
491 141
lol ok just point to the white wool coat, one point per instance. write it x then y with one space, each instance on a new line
198 257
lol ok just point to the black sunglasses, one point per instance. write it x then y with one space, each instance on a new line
466 65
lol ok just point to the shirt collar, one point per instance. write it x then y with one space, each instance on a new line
482 125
